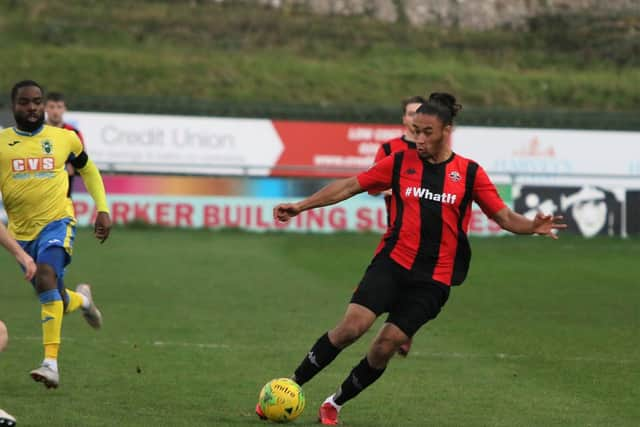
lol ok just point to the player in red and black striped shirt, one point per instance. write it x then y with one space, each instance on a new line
55 108
404 142
421 256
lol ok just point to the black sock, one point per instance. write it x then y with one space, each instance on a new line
361 377
321 354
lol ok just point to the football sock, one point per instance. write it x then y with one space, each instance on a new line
321 354
52 311
76 301
361 377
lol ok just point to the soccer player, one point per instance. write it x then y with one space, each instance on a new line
33 182
55 108
404 142
426 253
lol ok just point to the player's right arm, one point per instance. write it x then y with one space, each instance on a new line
383 151
330 194
377 178
21 256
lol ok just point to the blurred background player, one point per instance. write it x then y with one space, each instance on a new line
33 183
55 108
428 251
405 142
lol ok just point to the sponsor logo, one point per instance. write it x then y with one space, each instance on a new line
535 149
425 193
33 164
46 319
455 176
52 241
410 171
11 144
312 359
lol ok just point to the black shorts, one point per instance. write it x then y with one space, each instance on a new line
387 287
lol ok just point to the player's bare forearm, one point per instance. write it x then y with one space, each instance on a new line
331 194
519 224
21 256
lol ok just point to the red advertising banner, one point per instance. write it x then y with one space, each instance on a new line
315 149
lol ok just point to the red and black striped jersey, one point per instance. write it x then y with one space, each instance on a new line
433 207
392 146
75 129
386 149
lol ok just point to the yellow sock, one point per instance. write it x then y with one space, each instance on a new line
52 312
51 351
75 301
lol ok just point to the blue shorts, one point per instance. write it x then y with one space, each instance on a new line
53 246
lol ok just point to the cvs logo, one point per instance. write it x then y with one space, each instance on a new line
33 164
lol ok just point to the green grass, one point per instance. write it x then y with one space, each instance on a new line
542 333
234 53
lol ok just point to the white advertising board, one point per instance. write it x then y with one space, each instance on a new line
180 144
547 151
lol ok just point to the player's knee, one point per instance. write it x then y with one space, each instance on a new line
348 332
383 349
45 278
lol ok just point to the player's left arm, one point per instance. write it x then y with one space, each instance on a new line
93 181
516 223
487 197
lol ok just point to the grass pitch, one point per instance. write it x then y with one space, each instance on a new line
542 333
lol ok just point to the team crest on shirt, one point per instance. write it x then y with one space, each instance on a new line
455 176
47 147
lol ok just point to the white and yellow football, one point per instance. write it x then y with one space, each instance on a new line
281 400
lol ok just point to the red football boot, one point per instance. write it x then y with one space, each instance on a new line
328 415
259 412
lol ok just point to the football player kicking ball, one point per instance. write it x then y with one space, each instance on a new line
405 142
427 251
34 183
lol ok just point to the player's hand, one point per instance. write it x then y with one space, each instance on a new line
285 211
28 264
102 227
546 224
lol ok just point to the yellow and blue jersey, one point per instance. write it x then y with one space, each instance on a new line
33 178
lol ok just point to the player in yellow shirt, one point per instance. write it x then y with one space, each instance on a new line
33 183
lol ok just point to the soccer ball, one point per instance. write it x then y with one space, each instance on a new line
281 400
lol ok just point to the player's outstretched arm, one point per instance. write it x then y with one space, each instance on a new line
21 256
330 194
93 181
519 224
